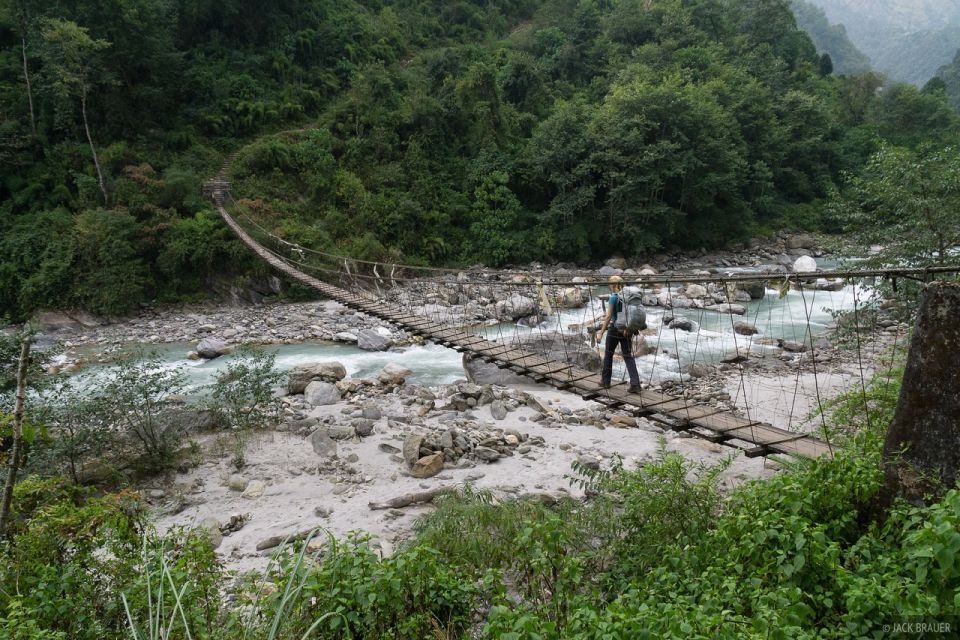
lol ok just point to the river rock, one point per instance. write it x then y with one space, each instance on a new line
411 449
254 490
515 307
791 346
486 454
801 241
695 291
303 374
698 370
498 410
428 466
322 443
745 328
393 374
371 340
607 270
572 298
341 431
371 411
616 262
734 309
210 348
804 264
319 393
756 290
210 527
363 427
237 482
680 324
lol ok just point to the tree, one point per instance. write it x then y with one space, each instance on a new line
72 68
17 428
908 202
20 10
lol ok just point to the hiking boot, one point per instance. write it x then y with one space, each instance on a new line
634 388
604 385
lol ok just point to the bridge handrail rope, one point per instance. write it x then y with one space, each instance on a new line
585 278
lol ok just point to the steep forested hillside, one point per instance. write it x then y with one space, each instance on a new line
949 74
830 39
908 40
443 132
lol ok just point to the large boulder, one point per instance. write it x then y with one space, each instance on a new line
515 307
616 262
695 291
735 309
428 466
322 443
804 264
210 348
303 374
608 271
370 340
801 241
393 374
757 290
745 329
320 393
572 298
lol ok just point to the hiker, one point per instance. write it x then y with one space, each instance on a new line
615 337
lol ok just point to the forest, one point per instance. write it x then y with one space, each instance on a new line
443 133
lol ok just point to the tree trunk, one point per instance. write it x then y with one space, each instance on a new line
926 424
93 151
26 76
17 434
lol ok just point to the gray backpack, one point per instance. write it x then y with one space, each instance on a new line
631 317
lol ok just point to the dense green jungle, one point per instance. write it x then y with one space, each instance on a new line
436 132
449 133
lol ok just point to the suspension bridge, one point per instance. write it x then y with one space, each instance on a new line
714 422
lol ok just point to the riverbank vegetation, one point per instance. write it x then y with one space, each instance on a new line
442 133
662 550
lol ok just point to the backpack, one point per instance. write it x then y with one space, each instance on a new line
631 316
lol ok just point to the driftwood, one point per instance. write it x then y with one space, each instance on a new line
411 498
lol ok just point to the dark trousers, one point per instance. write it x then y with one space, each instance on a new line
613 339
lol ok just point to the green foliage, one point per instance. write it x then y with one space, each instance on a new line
67 556
908 202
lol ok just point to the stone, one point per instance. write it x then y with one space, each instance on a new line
237 482
363 427
322 512
804 264
681 324
695 291
211 527
411 449
428 466
624 421
516 307
698 370
387 448
319 393
588 462
486 454
511 440
341 431
608 271
254 490
303 374
571 298
745 328
371 411
345 336
734 309
210 348
616 262
756 290
322 443
498 410
393 374
801 241
791 346
371 340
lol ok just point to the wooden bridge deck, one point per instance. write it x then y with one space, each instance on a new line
716 425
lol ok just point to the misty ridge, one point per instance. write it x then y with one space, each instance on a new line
907 40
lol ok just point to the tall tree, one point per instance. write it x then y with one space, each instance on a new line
21 12
73 69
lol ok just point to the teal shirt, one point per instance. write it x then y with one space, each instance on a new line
614 301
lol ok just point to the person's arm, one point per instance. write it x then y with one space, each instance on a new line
606 322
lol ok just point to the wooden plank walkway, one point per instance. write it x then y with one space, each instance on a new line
713 424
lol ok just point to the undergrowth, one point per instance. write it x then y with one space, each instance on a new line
656 551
